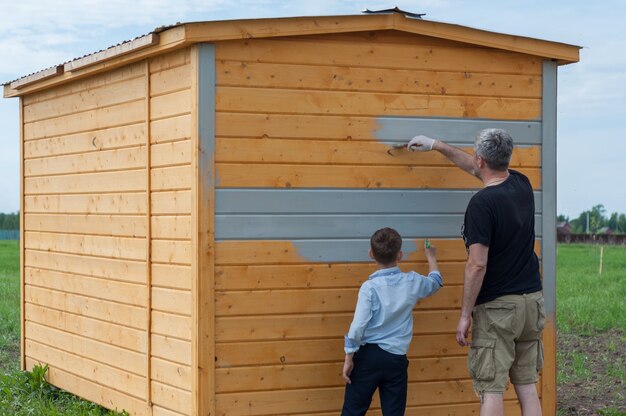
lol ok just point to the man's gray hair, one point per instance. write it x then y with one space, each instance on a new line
495 147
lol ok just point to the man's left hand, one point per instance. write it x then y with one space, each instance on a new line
462 331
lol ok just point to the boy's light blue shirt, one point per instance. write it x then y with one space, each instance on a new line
384 309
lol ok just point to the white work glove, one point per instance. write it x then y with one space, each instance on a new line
421 144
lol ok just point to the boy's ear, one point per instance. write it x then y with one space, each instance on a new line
371 254
399 256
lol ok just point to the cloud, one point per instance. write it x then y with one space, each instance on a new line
36 34
63 15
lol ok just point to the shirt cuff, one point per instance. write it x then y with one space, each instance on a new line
349 346
437 276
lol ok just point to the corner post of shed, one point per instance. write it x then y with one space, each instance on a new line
203 236
548 244
22 277
149 403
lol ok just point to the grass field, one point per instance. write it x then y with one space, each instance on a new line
591 357
9 304
591 320
588 302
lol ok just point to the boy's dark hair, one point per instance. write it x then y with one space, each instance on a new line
386 244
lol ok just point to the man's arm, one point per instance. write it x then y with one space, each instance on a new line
457 156
474 274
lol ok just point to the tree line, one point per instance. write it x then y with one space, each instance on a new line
595 220
10 221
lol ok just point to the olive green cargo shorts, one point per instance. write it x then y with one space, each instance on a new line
506 342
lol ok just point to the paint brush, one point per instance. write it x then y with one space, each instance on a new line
396 146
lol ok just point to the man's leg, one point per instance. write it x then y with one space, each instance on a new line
529 399
529 356
492 405
492 352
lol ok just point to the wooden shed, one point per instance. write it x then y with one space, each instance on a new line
197 202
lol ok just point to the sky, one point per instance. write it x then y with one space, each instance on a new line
36 34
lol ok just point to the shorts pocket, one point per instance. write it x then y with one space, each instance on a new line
481 361
539 355
541 315
500 317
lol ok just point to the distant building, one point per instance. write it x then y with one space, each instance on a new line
563 229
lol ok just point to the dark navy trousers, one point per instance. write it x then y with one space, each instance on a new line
376 368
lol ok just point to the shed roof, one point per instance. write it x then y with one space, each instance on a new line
183 34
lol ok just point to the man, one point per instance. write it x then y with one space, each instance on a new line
502 290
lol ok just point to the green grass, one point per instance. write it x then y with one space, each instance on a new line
611 412
27 393
591 323
9 303
588 302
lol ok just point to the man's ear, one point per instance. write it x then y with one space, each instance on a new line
480 162
371 254
399 257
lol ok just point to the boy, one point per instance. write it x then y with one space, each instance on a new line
381 330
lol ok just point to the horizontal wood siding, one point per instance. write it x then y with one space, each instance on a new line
85 236
86 228
171 251
317 114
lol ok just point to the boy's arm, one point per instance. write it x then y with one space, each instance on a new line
431 257
433 282
362 315
428 285
352 340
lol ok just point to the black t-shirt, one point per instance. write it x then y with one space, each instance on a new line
502 217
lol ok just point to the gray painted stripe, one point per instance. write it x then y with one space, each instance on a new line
454 130
206 96
342 251
345 201
548 180
287 227
206 114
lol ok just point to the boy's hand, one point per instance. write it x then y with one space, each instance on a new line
431 256
431 252
348 365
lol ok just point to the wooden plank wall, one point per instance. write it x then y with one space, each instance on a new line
85 229
303 113
170 166
86 210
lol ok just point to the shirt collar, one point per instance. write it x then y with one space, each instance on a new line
385 272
